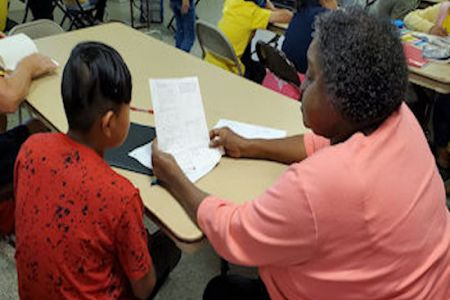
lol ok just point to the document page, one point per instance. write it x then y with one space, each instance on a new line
181 125
14 48
251 131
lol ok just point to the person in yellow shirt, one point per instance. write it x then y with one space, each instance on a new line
240 20
434 19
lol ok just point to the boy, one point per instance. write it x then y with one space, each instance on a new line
240 20
79 224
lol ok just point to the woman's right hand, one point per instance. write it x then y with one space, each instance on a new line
233 144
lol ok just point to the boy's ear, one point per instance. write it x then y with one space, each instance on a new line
106 123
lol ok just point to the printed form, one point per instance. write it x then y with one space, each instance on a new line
181 125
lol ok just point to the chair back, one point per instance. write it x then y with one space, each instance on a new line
212 40
37 29
276 61
80 13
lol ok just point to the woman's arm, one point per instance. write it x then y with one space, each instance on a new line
15 87
286 150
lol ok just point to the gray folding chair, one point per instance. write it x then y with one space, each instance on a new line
37 29
212 40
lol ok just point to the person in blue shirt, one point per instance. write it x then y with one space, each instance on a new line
184 12
298 36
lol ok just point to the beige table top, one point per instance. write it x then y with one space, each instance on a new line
225 95
435 76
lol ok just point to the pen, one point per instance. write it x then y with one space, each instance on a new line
155 182
133 108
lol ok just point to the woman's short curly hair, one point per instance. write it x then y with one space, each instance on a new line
363 64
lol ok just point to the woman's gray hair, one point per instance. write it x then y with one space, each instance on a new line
363 64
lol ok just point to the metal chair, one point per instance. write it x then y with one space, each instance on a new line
79 14
277 62
212 40
37 29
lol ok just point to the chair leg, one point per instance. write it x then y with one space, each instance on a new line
20 115
27 9
224 267
132 13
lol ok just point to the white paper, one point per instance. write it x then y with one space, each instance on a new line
14 48
181 125
143 154
250 131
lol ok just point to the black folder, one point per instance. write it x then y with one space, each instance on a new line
138 135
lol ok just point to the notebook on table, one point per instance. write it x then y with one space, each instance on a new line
137 136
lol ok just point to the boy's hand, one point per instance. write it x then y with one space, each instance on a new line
439 31
185 6
165 168
38 65
233 144
2 35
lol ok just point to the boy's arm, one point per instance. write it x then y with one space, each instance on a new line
280 16
269 5
142 288
15 87
132 247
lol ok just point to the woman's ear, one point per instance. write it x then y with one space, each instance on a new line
108 123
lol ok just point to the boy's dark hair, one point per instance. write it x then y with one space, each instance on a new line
307 3
95 80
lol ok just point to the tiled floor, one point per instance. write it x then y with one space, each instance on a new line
194 270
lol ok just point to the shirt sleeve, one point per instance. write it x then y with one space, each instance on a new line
278 228
314 143
422 19
131 240
261 18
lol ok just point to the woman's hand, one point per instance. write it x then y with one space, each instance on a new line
233 144
38 65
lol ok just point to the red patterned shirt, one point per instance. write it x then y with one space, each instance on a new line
79 224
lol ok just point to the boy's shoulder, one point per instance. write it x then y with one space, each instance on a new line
58 148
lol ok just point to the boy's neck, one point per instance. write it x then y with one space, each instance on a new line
88 140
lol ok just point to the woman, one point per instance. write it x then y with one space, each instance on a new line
360 212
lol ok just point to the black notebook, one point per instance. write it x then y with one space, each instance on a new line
138 135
